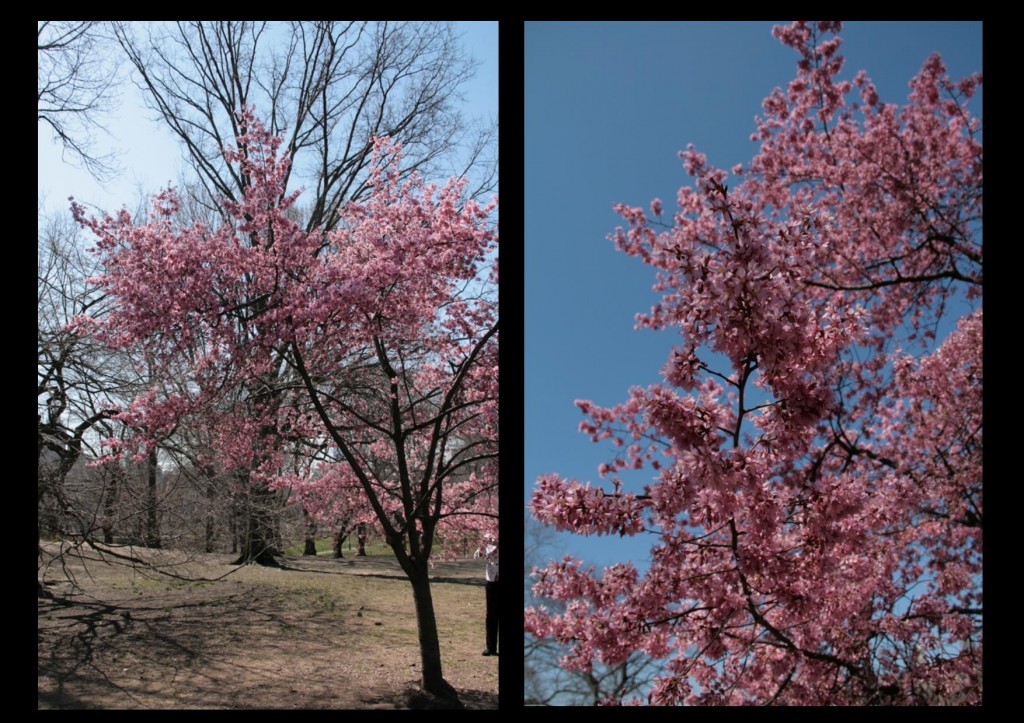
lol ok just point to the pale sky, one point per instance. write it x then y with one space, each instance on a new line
149 157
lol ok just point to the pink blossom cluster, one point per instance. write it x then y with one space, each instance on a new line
816 504
360 346
569 505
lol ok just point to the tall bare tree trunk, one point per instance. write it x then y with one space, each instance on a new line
430 646
152 525
361 539
257 539
110 504
310 534
339 540
417 569
211 517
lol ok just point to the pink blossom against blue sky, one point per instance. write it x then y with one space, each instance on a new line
607 108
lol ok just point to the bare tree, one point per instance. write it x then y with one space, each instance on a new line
82 384
327 88
75 390
77 83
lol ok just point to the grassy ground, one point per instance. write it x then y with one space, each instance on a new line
318 633
325 546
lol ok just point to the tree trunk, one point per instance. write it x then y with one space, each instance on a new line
109 505
257 543
152 529
45 519
430 647
339 540
310 534
361 539
210 533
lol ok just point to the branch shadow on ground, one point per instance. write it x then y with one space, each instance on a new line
390 568
209 647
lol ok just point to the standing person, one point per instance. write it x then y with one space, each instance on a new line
490 550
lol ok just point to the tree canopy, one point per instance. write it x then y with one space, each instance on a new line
816 441
380 336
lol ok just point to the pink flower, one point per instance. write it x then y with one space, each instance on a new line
815 488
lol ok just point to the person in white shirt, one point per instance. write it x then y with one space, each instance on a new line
490 550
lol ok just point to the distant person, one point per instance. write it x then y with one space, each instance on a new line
490 550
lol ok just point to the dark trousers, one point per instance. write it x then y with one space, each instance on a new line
493 603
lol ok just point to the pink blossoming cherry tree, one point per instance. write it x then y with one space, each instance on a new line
377 341
816 444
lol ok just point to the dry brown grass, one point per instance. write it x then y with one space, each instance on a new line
318 634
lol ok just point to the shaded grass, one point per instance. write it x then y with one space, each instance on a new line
320 633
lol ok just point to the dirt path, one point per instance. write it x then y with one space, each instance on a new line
319 633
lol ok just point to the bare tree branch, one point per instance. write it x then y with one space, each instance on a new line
76 87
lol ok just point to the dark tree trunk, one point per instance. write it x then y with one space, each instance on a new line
152 529
209 535
310 534
276 542
45 519
256 545
339 540
416 566
430 647
210 516
257 542
361 539
109 505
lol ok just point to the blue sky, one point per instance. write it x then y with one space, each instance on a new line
150 158
607 108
